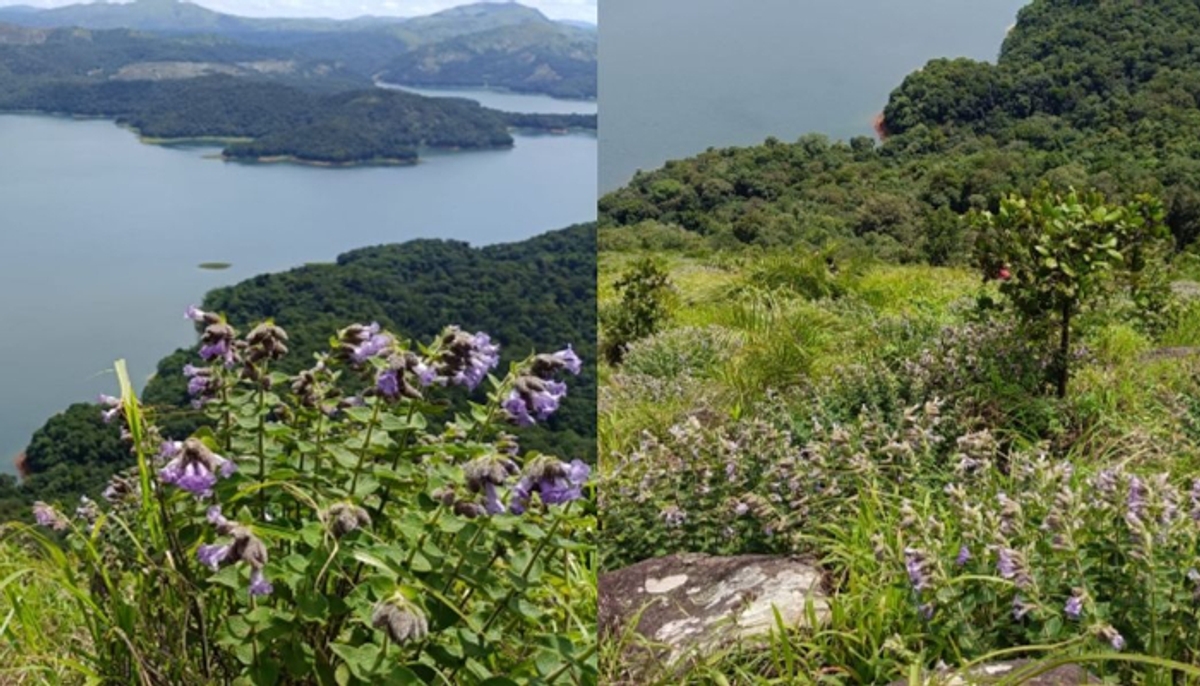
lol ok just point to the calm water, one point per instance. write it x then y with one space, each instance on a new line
102 238
508 102
677 77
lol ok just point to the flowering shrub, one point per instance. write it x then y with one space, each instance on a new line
335 526
1049 553
752 486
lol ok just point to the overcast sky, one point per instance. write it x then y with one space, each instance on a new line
584 10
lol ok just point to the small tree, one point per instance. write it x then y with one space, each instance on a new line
645 290
1054 254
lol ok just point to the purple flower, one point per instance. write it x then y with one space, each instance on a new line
1195 497
964 555
388 383
374 346
481 357
1074 607
673 516
215 517
1115 639
425 373
1005 565
518 412
194 313
533 400
197 385
491 501
45 515
1136 500
213 555
926 611
193 467
1020 608
562 490
568 359
259 586
218 349
914 564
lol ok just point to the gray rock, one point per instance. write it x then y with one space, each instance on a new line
688 602
996 672
1186 290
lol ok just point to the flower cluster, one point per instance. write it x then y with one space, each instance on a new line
245 547
400 618
219 339
537 394
554 482
359 343
47 516
190 465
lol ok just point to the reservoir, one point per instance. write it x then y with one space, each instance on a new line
103 238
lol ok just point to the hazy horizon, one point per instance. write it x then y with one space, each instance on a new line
570 10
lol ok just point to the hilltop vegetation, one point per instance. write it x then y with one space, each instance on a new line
1084 94
522 294
966 394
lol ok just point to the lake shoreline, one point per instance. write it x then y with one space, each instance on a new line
493 89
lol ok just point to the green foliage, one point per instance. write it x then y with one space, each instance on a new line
533 294
380 544
1056 255
1087 94
644 293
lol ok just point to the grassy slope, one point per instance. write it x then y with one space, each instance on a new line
1123 410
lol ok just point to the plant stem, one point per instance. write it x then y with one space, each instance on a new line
366 446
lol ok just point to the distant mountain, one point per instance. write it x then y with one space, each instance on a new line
540 57
585 25
505 45
179 16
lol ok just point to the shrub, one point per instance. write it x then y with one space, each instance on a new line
314 536
685 351
645 290
1056 254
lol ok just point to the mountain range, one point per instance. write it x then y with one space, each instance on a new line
499 45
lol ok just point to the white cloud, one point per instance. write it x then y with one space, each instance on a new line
584 10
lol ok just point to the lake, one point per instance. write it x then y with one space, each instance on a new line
505 100
103 238
679 77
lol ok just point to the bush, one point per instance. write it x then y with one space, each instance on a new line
686 351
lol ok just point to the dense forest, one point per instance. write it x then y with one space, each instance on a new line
1085 93
537 294
508 45
177 88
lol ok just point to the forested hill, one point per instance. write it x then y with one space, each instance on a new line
503 45
538 294
538 57
1090 93
189 87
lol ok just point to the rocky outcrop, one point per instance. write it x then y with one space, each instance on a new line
997 672
690 602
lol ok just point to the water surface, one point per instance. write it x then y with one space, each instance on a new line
506 100
102 238
678 77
